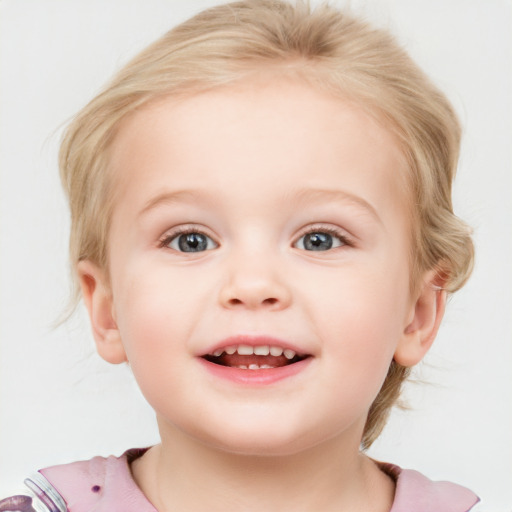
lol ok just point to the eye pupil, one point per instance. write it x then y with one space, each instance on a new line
318 241
192 242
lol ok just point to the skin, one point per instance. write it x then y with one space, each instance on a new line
261 163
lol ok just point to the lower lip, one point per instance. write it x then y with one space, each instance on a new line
262 377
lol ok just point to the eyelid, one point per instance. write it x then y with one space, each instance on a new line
173 233
338 232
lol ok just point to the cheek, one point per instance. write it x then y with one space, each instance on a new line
146 313
368 299
158 308
362 319
153 329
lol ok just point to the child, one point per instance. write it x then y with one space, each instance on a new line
262 227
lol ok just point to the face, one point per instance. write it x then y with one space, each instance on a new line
258 264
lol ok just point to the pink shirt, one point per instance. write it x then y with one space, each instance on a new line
106 484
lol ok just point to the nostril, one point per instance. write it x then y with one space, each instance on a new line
268 302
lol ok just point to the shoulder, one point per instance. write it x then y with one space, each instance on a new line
101 484
415 491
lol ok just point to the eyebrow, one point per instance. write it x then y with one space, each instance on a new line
306 196
170 197
302 197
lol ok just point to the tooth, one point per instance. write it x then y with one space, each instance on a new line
289 354
242 366
276 351
265 366
218 353
245 350
254 367
230 350
263 350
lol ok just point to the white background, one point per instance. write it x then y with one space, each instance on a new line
60 402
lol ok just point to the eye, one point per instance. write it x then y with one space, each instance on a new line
189 241
321 239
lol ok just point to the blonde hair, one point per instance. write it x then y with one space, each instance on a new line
329 49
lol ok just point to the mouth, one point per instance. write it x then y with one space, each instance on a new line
254 357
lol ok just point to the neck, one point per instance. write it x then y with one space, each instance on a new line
184 474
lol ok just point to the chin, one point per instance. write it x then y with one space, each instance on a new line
262 449
261 442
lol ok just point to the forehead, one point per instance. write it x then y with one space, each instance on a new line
257 139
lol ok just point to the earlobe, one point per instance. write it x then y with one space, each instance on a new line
423 323
98 301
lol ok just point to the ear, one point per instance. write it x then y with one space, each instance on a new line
98 301
423 322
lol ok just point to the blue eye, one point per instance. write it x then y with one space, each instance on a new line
320 241
189 242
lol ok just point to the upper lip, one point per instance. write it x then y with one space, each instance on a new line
254 341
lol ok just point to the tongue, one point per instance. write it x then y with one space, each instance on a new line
237 360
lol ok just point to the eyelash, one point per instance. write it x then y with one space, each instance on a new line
169 237
344 239
337 233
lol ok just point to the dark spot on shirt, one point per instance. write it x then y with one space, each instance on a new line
96 488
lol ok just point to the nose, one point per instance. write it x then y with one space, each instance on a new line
254 283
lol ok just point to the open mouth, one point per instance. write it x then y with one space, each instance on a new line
261 357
